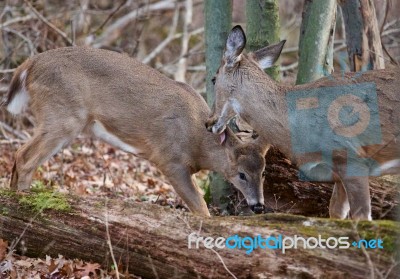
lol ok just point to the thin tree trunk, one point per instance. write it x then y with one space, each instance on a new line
316 40
262 18
364 44
218 23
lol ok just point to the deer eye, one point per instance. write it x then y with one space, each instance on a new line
264 174
213 80
242 176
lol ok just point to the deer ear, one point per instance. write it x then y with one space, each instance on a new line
230 139
267 56
234 46
262 144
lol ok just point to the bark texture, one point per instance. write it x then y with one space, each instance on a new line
152 241
363 39
316 35
218 23
262 28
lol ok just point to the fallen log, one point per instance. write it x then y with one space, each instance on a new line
152 241
284 192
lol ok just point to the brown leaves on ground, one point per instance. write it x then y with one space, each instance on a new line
90 167
14 266
85 168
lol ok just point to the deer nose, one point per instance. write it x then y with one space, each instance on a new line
257 208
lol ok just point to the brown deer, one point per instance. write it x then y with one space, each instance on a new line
242 88
133 107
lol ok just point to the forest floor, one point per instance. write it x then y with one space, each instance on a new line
85 168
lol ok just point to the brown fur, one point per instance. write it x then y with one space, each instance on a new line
74 89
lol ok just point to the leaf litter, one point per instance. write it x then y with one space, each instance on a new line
87 167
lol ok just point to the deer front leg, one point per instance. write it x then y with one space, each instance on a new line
339 204
357 189
30 156
181 180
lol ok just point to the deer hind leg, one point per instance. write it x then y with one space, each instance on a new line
44 144
182 181
357 189
339 204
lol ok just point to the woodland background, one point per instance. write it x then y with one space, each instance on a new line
169 36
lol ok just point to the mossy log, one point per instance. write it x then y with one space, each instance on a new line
152 241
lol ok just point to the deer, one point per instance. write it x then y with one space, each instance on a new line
133 107
280 113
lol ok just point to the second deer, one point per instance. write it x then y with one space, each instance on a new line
342 148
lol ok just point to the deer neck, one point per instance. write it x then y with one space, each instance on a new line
213 156
269 113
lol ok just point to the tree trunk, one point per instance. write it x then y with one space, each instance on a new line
363 39
218 23
152 241
316 40
262 18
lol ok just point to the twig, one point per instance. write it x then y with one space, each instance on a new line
153 268
23 37
390 23
390 32
191 52
182 63
223 263
11 141
364 251
16 20
8 71
110 16
48 23
14 132
389 271
387 6
166 41
112 32
109 243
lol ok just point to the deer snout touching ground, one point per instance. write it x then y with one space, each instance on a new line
132 107
258 208
355 114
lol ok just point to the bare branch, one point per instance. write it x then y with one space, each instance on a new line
182 63
168 39
16 20
23 37
48 23
113 31
8 71
14 132
110 16
109 243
